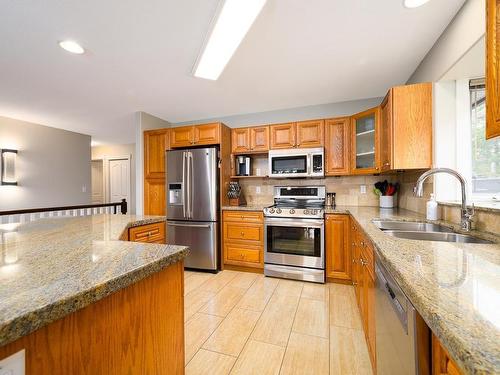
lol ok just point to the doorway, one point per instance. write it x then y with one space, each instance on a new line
111 179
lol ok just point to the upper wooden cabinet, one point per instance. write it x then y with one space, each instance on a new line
338 247
297 134
155 145
196 135
337 140
365 142
247 140
406 128
492 69
283 135
310 133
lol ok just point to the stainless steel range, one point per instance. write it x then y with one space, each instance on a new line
294 234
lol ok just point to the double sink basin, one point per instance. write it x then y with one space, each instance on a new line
425 231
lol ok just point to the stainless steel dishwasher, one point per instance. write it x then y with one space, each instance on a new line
395 327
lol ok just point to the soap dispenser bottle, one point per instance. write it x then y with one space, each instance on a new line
432 208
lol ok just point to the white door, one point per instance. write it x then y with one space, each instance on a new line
119 180
97 182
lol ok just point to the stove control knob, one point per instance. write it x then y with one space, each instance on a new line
271 210
292 211
314 212
306 212
278 211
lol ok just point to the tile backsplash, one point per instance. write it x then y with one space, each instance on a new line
347 189
348 193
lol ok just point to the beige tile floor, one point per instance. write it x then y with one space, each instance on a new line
244 323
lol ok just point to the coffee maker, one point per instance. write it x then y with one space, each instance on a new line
243 166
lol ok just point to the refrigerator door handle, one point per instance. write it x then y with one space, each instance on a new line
189 225
184 184
191 177
188 185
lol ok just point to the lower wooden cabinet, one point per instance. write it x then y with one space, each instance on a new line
243 238
154 196
363 280
152 233
338 249
442 364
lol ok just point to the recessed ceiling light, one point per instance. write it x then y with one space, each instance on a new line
231 25
414 3
71 46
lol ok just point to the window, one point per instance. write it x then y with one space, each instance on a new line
485 163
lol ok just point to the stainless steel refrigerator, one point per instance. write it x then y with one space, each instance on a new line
193 205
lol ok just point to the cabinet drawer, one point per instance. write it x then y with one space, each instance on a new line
148 233
240 232
244 216
238 253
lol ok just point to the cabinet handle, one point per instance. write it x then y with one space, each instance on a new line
362 243
386 164
354 261
242 234
354 283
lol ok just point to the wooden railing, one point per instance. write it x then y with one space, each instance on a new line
31 214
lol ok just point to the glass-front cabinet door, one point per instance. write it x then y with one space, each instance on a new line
365 142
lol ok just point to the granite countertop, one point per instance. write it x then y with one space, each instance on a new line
52 267
454 286
253 207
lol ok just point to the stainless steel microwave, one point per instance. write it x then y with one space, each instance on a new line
297 162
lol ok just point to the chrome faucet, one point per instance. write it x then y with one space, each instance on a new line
466 213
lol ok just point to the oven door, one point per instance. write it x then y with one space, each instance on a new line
289 164
294 242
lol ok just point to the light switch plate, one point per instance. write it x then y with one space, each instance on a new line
13 365
257 190
362 189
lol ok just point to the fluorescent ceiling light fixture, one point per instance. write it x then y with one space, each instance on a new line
71 46
234 19
414 3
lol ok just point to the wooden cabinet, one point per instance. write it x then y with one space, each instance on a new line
365 142
363 279
155 144
243 238
338 247
196 135
442 364
492 68
337 141
301 134
248 140
283 135
182 136
154 196
406 128
310 133
207 134
152 233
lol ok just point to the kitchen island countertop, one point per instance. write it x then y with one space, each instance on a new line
52 267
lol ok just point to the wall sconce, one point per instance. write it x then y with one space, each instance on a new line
8 162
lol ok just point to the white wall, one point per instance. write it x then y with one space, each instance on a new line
143 121
106 151
293 114
53 166
464 31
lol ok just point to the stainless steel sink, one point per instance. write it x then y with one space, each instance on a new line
410 226
436 236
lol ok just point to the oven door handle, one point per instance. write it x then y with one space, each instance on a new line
303 223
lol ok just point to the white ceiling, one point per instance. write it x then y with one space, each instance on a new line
141 53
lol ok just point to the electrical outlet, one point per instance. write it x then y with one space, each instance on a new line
84 190
362 189
13 365
257 190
